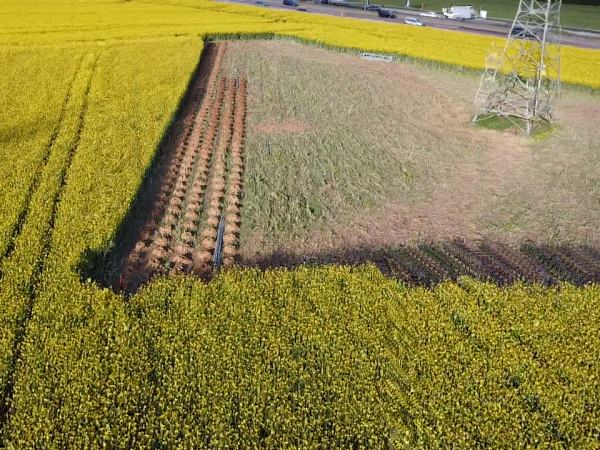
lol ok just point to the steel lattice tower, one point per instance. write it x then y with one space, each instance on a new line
524 81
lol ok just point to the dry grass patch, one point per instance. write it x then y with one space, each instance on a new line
389 157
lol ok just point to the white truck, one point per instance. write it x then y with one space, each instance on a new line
459 12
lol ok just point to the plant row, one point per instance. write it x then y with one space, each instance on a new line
234 185
176 211
431 263
216 184
202 185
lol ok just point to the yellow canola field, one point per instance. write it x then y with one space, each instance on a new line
87 90
39 22
578 65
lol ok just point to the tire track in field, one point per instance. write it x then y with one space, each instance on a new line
25 265
38 171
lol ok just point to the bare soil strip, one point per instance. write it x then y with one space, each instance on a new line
215 189
236 164
201 184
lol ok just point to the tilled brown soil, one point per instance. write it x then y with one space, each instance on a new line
199 190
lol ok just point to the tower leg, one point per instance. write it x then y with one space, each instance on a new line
525 80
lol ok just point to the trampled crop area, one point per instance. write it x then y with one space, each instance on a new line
399 177
134 151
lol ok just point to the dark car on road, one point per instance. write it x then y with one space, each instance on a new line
520 32
290 2
386 14
373 7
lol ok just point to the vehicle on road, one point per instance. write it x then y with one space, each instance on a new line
290 3
338 2
413 21
520 32
260 3
373 7
430 14
459 12
386 14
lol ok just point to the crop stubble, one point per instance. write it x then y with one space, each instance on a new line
203 183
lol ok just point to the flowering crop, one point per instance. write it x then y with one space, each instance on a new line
473 363
33 90
352 356
21 268
329 357
53 24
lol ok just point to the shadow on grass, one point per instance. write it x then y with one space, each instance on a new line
541 130
430 263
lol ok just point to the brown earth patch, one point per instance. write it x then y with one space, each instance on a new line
176 217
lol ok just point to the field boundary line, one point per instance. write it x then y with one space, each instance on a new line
399 58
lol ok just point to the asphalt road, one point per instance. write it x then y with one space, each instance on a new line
485 27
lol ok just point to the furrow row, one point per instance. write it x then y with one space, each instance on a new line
430 264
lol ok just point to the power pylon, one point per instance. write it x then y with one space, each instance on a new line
524 81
